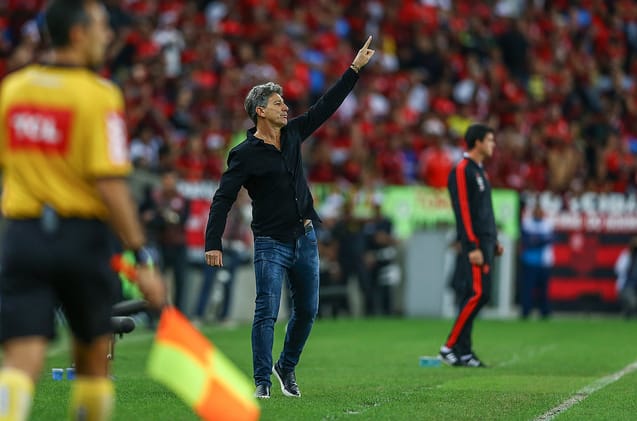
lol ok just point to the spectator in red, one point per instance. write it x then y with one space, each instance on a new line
557 129
182 62
215 141
535 176
321 168
436 160
618 164
191 165
390 162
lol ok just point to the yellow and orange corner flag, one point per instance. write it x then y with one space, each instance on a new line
186 362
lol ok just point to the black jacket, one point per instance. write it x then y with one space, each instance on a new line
275 180
470 193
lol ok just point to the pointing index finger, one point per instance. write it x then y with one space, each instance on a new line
369 40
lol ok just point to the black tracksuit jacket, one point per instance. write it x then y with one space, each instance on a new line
470 194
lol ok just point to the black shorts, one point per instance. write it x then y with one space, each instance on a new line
40 272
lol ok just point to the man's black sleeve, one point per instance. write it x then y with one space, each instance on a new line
231 181
327 105
467 205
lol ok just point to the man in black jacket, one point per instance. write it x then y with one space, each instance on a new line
470 193
268 164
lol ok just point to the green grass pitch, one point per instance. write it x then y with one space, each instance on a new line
368 369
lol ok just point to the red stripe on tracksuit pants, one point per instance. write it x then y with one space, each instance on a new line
472 301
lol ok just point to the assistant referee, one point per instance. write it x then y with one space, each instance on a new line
63 152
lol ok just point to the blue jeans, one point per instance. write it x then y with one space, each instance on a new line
273 262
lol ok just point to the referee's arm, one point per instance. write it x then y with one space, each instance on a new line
124 220
123 212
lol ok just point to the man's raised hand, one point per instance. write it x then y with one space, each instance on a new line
363 56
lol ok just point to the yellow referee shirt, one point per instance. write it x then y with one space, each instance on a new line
60 129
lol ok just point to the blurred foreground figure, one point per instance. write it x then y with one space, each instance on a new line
64 157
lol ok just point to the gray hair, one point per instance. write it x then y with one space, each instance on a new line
258 97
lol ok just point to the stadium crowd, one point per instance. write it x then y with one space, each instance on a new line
555 78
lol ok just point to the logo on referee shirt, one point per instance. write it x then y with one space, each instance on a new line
34 127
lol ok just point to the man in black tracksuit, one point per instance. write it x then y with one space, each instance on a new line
475 223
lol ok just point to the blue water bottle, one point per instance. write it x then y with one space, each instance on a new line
426 361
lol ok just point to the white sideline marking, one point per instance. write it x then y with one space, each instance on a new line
586 391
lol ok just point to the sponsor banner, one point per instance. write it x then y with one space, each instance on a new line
569 221
413 208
